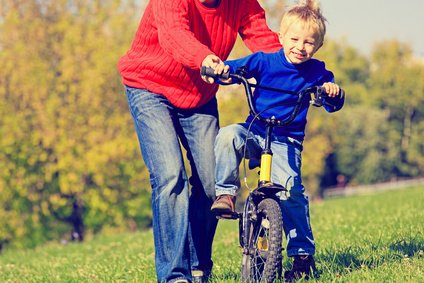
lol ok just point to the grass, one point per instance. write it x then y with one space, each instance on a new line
368 238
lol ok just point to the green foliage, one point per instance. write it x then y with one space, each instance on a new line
68 148
362 151
397 83
66 135
368 238
350 69
376 135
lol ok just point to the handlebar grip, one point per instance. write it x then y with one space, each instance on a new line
341 92
209 72
319 95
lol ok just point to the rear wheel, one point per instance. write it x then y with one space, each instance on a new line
263 242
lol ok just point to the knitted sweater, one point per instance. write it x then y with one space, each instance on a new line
174 37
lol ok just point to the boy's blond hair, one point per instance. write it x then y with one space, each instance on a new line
308 12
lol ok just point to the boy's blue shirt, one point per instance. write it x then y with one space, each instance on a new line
273 70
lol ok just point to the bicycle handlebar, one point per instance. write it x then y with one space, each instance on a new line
318 95
209 72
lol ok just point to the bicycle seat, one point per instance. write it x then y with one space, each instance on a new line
253 163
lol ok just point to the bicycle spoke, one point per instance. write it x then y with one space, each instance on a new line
265 243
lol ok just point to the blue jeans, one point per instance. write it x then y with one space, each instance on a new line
183 225
230 146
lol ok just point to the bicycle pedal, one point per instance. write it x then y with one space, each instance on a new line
230 216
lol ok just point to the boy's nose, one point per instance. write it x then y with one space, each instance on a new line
300 45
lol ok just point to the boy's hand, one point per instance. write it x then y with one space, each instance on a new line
331 89
215 63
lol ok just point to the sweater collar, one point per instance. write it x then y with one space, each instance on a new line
202 7
289 64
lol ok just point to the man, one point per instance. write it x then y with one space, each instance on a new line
172 105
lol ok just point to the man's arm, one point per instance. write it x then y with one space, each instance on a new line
175 36
254 30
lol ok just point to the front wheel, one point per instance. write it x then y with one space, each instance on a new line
261 260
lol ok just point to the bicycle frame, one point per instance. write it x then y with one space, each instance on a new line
264 183
260 223
265 186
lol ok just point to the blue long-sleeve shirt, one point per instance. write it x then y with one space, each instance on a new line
273 70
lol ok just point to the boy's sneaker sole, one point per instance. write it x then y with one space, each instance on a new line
223 207
227 215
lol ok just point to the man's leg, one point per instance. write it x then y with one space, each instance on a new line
199 128
161 152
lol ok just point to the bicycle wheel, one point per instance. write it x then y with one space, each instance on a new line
264 242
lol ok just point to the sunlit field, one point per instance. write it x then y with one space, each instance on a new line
377 237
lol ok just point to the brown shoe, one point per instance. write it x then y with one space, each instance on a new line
224 204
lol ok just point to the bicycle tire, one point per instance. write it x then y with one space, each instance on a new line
264 241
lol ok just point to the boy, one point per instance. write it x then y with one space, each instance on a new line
302 33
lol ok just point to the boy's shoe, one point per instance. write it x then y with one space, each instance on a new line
224 204
198 276
303 267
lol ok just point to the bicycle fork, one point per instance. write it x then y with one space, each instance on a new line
266 160
265 189
250 207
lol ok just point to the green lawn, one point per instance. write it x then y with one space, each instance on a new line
369 238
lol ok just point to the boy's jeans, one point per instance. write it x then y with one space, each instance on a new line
286 163
183 225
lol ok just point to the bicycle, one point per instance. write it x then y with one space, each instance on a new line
261 223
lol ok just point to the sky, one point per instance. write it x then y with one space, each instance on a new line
362 23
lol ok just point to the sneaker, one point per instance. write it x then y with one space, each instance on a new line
224 204
303 267
198 276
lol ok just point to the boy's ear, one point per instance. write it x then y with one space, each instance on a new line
319 46
280 38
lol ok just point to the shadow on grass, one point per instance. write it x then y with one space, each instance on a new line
342 261
370 255
227 277
408 247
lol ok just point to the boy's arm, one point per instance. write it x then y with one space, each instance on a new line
253 64
335 97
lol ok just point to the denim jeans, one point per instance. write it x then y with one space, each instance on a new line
231 145
183 225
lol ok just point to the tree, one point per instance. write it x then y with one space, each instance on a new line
69 149
324 131
397 84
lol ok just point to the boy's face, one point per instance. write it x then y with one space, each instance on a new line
300 42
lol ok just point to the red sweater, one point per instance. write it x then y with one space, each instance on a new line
174 37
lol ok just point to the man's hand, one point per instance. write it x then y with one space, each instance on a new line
215 63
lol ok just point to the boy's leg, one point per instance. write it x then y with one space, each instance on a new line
162 155
286 171
295 208
229 150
